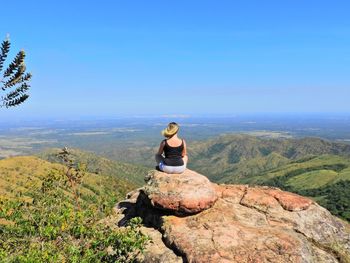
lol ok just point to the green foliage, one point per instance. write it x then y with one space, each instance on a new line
265 151
304 159
281 181
313 179
338 198
100 165
233 157
13 77
54 227
291 152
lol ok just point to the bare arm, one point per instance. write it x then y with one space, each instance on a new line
161 148
184 151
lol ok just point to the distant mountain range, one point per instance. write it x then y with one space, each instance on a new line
230 158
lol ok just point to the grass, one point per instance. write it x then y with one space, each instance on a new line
50 215
338 164
343 175
313 179
19 175
132 173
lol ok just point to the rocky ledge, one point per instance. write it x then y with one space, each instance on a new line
191 219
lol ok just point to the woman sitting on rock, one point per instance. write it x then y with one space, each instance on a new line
175 157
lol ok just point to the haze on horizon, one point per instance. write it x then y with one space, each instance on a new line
110 58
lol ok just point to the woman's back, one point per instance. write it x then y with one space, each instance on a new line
173 148
174 141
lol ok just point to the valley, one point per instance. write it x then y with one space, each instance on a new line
226 150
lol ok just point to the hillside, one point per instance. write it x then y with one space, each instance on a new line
52 213
100 165
22 175
307 173
236 156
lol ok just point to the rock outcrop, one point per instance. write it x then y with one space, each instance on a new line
186 193
192 220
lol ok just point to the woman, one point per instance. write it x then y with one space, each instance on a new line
174 149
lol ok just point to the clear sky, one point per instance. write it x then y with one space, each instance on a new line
106 58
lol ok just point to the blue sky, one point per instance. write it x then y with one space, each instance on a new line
107 58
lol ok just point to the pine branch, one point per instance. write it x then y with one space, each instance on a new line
27 77
16 101
5 49
17 92
16 77
15 64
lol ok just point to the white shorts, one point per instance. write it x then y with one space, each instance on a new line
169 169
172 169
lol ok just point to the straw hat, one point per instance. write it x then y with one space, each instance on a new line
171 130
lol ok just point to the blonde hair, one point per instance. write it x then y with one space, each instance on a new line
171 130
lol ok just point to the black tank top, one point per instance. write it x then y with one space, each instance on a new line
173 155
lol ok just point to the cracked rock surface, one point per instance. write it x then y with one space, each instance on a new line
239 224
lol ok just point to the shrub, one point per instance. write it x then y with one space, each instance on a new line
59 226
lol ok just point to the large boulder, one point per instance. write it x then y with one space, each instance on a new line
244 224
185 193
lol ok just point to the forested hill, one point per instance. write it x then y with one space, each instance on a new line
233 157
